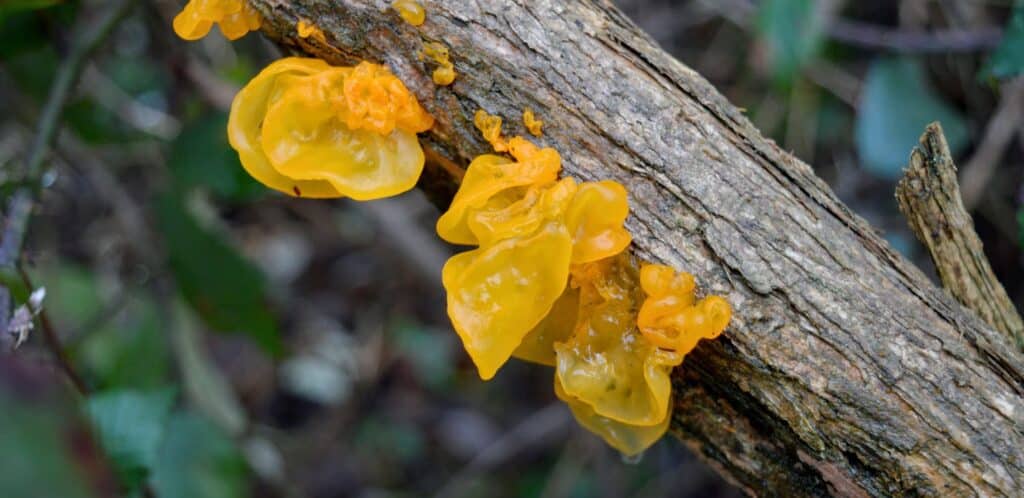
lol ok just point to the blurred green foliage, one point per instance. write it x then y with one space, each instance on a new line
35 457
223 287
201 158
792 31
197 460
130 427
1008 59
896 105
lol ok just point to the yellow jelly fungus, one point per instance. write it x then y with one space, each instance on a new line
410 10
595 220
532 124
497 294
445 73
235 18
628 439
313 130
670 319
606 363
491 181
490 127
306 29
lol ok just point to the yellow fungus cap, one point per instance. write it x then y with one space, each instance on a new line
235 18
312 130
486 177
497 294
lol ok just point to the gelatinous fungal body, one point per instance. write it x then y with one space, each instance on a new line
445 73
309 129
411 11
234 17
532 124
551 282
306 29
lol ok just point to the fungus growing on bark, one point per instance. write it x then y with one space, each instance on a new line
234 17
309 129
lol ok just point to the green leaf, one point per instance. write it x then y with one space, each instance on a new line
130 426
1008 59
224 289
34 455
197 460
895 106
130 351
12 6
201 157
792 31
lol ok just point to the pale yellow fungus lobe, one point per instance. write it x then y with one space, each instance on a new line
532 124
235 18
410 10
445 73
313 130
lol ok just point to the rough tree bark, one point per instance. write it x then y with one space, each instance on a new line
844 372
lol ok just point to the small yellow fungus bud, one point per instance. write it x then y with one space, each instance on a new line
532 124
490 127
235 18
309 129
445 73
306 29
411 11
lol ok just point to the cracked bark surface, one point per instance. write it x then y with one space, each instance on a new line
845 371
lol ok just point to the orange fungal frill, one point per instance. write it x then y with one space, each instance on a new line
670 319
313 130
235 18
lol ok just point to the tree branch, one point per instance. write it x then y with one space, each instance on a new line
845 370
929 197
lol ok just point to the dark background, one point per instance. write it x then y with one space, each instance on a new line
241 343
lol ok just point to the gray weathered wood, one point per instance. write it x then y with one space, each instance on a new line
845 370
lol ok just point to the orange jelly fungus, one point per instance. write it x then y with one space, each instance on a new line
410 10
445 73
670 319
306 29
532 124
235 18
552 283
309 129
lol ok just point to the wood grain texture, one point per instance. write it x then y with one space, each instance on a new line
845 371
929 197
